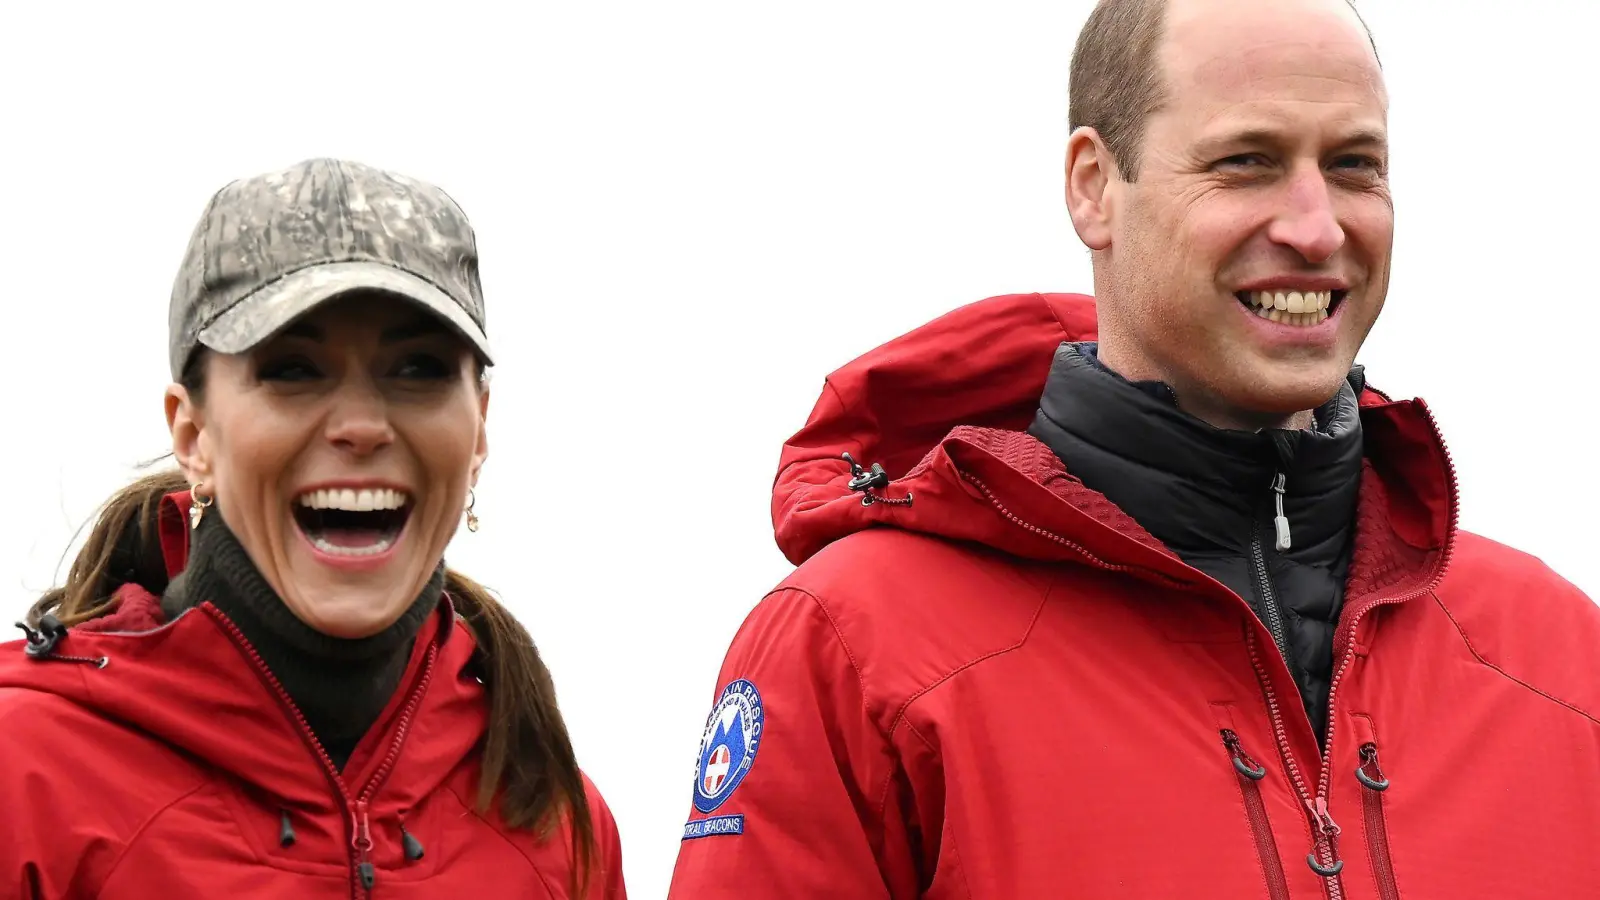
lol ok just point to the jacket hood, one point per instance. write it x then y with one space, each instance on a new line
197 685
935 420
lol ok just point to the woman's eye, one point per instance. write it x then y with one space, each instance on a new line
292 369
423 366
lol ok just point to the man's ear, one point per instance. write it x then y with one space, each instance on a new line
186 421
1091 176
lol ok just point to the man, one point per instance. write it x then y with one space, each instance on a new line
1183 611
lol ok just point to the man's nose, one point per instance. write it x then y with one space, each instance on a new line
1309 225
359 422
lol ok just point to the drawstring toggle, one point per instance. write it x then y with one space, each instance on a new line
866 481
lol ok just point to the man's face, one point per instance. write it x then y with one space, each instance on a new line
1250 258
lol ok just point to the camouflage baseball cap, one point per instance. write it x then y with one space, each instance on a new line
271 248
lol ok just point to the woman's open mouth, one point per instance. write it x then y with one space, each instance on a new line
352 523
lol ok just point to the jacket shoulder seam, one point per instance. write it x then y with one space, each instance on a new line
472 809
900 714
145 826
1482 660
866 706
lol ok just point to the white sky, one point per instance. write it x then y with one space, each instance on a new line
691 212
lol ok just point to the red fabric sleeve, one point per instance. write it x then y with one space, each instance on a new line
607 884
807 818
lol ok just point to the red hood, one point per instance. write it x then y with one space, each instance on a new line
191 683
944 410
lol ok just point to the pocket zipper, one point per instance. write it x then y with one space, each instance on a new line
1250 773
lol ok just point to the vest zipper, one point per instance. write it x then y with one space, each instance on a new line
362 873
1270 612
1249 773
1373 785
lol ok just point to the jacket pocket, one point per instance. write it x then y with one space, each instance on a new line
1373 785
1250 773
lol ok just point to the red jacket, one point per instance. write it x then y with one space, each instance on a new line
989 682
170 772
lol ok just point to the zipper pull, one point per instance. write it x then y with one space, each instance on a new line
363 845
1324 820
1242 763
1327 830
1369 757
1281 523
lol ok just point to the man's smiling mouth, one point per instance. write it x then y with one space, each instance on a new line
1300 308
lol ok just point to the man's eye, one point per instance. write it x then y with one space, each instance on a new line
1359 163
1242 161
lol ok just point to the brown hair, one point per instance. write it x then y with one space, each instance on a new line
1115 81
528 762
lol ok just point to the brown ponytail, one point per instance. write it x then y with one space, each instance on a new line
528 763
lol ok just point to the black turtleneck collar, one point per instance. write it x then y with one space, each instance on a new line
1197 488
339 685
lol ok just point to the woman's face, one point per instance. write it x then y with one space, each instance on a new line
340 453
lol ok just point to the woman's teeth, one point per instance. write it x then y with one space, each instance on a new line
1303 308
354 501
333 549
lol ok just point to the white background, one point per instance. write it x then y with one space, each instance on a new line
691 212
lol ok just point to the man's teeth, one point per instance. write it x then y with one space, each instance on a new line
366 550
354 501
1291 307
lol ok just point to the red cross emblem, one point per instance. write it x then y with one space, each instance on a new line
716 769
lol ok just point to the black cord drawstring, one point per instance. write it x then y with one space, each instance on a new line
867 481
42 641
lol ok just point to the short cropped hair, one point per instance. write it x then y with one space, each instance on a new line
1116 80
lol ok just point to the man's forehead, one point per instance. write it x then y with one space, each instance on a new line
1236 51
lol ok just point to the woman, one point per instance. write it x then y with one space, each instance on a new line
260 679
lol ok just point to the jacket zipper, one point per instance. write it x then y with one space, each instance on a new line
1324 856
1250 772
1372 787
362 873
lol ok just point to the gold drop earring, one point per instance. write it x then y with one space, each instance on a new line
472 517
198 504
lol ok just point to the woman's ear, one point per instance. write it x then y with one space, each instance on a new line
186 421
481 452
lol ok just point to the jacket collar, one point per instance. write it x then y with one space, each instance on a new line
193 682
943 410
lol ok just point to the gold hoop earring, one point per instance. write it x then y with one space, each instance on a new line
198 504
472 517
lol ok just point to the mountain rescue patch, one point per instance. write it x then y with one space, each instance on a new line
728 745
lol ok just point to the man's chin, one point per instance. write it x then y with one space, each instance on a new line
1284 395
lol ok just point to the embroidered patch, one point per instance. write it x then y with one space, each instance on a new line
728 746
716 825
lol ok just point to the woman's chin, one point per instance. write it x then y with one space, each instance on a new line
352 616
342 603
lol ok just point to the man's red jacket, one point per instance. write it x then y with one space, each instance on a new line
984 680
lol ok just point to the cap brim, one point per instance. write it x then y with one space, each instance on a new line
264 313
